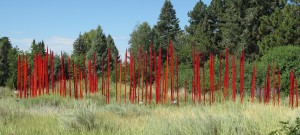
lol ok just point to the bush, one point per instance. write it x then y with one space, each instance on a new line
288 129
285 58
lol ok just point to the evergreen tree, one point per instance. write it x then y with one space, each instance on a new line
166 29
79 47
281 28
99 46
5 47
241 23
197 16
38 48
113 50
140 37
13 67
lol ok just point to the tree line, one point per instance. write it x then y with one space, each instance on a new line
254 26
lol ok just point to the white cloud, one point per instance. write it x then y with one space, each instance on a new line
22 43
55 43
58 44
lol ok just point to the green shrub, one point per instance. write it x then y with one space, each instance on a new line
286 58
288 128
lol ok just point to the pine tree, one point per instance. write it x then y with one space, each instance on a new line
241 22
5 47
281 28
99 46
113 50
197 16
140 37
166 29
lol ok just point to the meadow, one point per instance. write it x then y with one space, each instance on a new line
53 114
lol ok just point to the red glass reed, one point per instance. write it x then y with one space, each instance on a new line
125 76
253 84
80 82
211 76
226 76
268 94
177 87
278 79
108 75
116 79
185 87
233 79
242 76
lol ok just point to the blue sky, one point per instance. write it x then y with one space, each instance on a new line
59 22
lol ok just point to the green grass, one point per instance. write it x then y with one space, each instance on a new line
55 115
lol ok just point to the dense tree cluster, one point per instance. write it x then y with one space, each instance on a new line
254 26
251 25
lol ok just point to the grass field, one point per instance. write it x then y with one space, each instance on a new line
56 115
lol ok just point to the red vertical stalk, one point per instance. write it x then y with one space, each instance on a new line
134 81
291 88
253 84
22 77
46 70
233 79
177 88
125 76
166 81
220 75
75 81
19 76
172 70
69 72
138 60
226 77
185 87
242 76
278 87
146 78
143 70
150 69
90 76
103 84
204 86
159 76
25 76
130 77
95 75
274 84
199 78
80 83
52 72
268 85
116 79
296 90
120 81
260 94
211 76
85 77
108 75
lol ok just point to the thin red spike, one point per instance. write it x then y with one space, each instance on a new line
253 84
278 87
274 84
125 76
150 68
185 87
211 75
233 79
226 76
242 77
177 87
268 85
